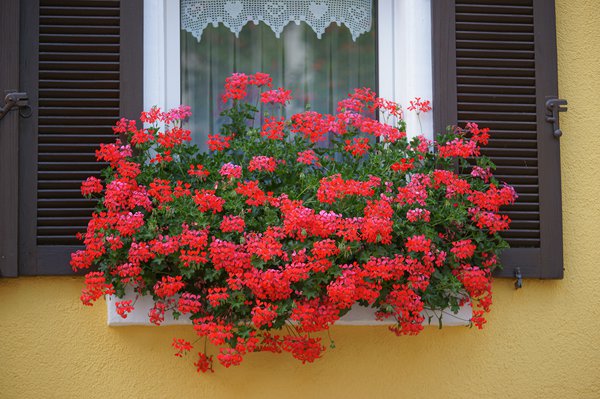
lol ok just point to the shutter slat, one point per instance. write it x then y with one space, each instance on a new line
75 166
83 31
469 26
79 11
493 80
68 139
51 39
73 147
495 9
58 214
74 75
78 65
70 111
58 193
75 129
79 48
79 102
50 221
79 93
71 20
81 3
495 89
467 70
77 120
492 52
483 61
100 56
495 37
81 84
55 239
498 106
496 45
66 203
66 156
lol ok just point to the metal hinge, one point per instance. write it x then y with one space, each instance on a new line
18 100
519 277
554 107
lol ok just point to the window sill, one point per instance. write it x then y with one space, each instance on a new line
358 316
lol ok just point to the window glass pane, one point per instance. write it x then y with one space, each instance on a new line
320 72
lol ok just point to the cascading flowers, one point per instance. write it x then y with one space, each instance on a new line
278 230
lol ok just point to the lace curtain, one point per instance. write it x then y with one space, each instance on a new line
319 71
196 15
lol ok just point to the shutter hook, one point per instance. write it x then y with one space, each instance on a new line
19 100
554 107
519 277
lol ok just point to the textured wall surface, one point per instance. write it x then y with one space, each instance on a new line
541 342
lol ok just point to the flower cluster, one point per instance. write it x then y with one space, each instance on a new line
279 230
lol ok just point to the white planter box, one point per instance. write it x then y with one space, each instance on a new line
358 315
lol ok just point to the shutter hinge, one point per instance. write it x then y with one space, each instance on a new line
519 277
19 100
554 106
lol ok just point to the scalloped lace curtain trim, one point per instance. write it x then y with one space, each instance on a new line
196 15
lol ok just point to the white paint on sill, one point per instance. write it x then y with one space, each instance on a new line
358 315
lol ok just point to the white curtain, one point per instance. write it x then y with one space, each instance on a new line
320 72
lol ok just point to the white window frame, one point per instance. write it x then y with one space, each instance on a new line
404 51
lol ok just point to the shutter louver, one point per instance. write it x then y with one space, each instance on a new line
78 104
495 75
503 60
88 76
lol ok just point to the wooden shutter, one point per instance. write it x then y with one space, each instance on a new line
494 63
82 67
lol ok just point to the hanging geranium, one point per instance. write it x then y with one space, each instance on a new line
277 231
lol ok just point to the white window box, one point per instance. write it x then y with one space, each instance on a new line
358 316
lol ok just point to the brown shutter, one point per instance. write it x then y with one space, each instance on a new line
494 63
82 70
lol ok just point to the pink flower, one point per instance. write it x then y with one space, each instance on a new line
235 87
308 157
217 143
232 223
91 185
279 96
262 163
273 128
231 171
260 79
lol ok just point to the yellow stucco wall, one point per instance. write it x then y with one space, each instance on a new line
542 341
